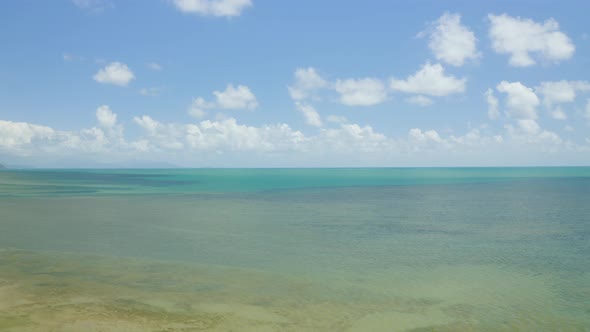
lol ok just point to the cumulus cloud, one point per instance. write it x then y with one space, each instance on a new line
21 138
558 114
198 108
521 104
160 136
107 123
521 101
106 118
312 117
419 100
555 93
229 135
14 134
451 41
528 126
353 138
226 8
235 98
559 92
307 80
115 73
526 40
232 98
493 112
361 92
587 111
416 134
146 122
351 91
278 144
430 80
337 118
529 133
224 135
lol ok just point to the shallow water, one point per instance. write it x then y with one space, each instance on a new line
302 249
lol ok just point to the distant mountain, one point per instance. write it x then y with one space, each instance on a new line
2 166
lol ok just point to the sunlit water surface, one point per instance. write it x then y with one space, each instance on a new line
463 249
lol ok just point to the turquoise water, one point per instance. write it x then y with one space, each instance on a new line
412 249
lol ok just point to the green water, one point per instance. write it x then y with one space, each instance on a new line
416 249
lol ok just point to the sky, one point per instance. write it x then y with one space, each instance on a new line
266 83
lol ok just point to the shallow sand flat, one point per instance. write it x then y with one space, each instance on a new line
116 295
45 292
64 292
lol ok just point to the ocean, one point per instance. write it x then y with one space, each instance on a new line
367 249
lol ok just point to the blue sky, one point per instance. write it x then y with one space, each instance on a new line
260 83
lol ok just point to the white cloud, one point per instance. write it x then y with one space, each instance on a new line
13 134
312 117
220 136
558 114
307 80
68 57
493 112
419 100
353 92
159 135
361 92
524 40
154 66
106 118
416 134
529 126
198 108
150 92
451 41
228 135
430 80
115 73
587 113
352 139
147 123
227 8
558 92
226 142
337 118
233 98
474 138
521 101
108 126
24 139
530 134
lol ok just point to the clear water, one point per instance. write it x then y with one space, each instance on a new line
441 249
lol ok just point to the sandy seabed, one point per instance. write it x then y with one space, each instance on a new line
42 291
